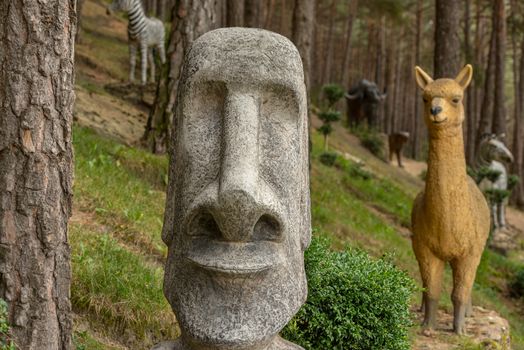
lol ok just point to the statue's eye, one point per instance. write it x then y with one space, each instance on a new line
456 100
425 99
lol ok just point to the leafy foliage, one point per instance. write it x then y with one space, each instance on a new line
5 342
357 170
372 141
517 286
354 302
332 93
328 158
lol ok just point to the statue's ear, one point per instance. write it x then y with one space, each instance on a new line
465 75
422 77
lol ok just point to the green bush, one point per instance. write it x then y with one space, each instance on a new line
357 170
332 93
373 142
328 158
517 286
354 302
5 342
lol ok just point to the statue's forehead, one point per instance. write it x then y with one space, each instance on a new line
241 55
443 88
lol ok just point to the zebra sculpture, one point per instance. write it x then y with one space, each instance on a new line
493 154
144 33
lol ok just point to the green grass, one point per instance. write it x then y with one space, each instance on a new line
122 186
119 288
357 212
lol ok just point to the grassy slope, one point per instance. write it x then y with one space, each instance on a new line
115 234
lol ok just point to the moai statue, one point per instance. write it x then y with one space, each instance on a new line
450 218
237 217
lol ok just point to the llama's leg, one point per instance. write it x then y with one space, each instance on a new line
152 65
143 58
464 271
431 269
132 61
469 307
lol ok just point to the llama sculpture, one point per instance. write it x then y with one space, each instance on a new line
450 218
493 154
144 33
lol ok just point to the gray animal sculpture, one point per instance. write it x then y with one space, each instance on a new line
363 101
237 218
493 154
143 33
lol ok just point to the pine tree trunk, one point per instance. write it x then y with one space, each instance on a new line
486 111
518 144
353 6
416 108
235 13
79 5
329 51
162 10
447 42
36 169
191 18
252 13
303 24
499 109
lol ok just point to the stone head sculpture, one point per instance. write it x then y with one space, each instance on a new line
238 216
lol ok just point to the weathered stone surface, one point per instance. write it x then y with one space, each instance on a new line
238 215
485 327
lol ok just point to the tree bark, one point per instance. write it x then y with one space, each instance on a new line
79 5
303 24
499 109
353 6
252 14
416 108
486 111
191 18
447 41
235 13
36 169
326 77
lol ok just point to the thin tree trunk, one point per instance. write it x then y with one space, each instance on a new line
269 14
235 13
252 14
499 109
303 23
162 10
353 6
416 108
79 5
191 18
329 40
36 169
447 42
486 112
469 128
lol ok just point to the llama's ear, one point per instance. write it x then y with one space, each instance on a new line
465 75
422 77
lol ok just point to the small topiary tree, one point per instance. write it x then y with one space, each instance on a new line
354 302
332 93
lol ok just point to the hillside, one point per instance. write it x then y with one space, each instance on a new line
118 210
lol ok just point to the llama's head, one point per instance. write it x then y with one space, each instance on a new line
443 108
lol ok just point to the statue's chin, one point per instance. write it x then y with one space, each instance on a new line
246 312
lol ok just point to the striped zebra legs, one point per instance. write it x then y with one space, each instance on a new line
151 64
143 61
132 61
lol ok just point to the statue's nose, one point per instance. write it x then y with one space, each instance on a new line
435 110
244 210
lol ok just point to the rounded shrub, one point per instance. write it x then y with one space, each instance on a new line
354 302
328 158
517 285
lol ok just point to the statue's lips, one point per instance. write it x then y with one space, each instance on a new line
235 258
439 121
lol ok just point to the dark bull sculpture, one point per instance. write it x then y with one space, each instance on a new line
363 100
